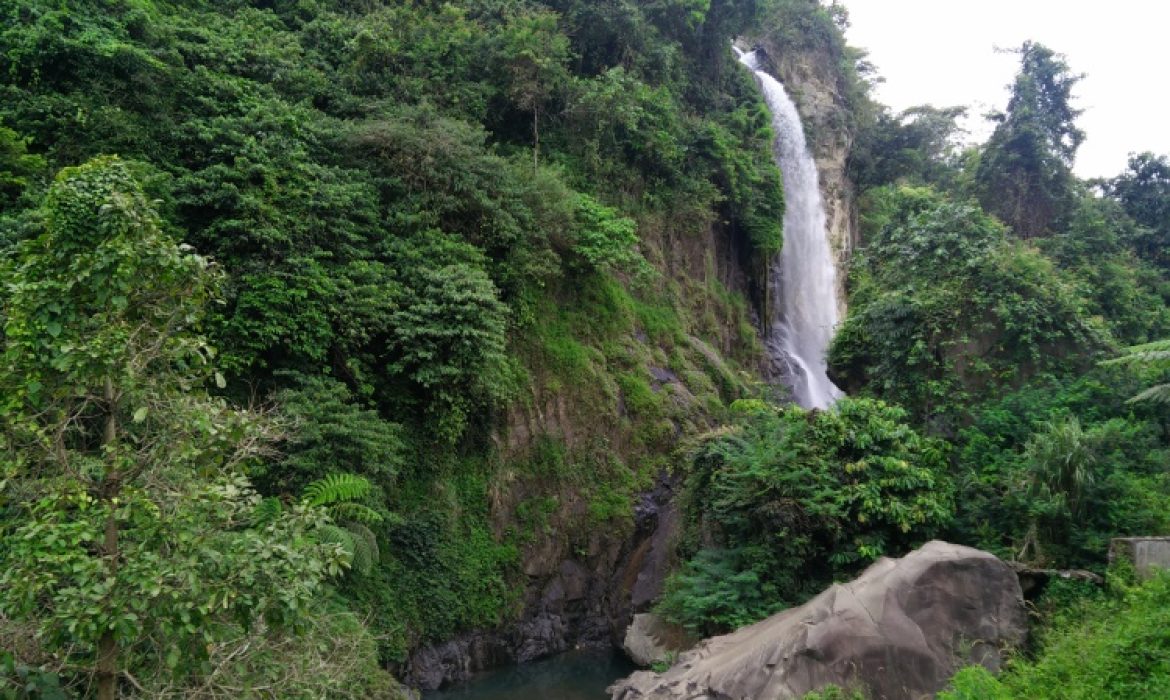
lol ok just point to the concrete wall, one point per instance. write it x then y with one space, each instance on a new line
1146 553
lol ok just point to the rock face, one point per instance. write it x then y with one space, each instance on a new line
900 630
579 596
813 79
651 639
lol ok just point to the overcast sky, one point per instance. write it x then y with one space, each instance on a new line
942 52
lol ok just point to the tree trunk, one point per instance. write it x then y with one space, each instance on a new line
107 653
535 140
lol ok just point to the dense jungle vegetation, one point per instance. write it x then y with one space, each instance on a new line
316 315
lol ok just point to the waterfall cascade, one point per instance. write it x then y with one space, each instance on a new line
802 276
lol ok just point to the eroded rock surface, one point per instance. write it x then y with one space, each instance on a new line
651 639
900 630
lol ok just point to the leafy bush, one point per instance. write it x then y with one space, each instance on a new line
788 499
946 312
1112 648
1054 470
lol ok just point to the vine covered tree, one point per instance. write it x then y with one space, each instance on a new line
1025 175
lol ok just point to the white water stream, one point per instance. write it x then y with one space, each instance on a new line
802 277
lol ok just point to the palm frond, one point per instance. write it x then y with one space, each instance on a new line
1159 393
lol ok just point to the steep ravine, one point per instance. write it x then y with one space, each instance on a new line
584 574
583 580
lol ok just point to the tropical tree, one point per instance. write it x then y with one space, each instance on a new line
1144 192
918 145
130 544
538 54
1025 175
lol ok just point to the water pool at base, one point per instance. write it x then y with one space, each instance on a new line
576 675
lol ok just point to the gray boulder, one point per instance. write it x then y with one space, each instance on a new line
651 639
899 630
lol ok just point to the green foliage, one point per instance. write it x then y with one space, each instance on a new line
1143 190
19 681
129 537
1124 290
1154 357
945 311
917 145
605 239
17 165
1111 648
330 429
790 499
1042 484
448 329
1025 175
739 146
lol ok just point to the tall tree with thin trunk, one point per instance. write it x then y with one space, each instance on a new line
536 70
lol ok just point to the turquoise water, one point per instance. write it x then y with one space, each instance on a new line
577 675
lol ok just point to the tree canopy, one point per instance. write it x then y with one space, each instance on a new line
1025 174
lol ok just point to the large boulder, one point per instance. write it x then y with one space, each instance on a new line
650 640
900 630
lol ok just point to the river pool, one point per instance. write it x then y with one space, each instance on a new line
576 675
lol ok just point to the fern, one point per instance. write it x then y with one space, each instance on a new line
336 488
266 512
364 545
339 495
356 512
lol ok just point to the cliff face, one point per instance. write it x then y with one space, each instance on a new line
814 80
584 457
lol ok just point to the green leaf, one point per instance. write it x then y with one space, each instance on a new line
140 414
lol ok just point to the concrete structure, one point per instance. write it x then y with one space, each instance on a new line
1146 553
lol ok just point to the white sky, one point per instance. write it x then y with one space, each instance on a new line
941 52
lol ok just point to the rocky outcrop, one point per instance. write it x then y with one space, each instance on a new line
900 630
577 596
1034 580
651 639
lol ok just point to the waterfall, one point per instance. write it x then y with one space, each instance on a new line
802 276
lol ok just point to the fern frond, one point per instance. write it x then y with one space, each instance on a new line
355 512
336 488
332 534
365 550
266 512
